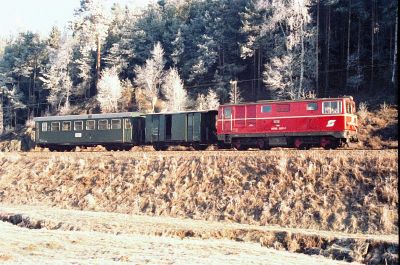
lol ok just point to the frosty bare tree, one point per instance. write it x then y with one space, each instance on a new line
149 78
57 79
278 77
175 95
90 30
290 73
128 93
109 90
210 101
201 103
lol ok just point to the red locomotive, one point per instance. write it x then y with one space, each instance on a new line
325 122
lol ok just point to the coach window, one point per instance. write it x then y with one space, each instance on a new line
116 124
227 113
90 125
55 126
128 124
66 126
332 107
312 106
44 126
103 124
78 125
282 107
266 108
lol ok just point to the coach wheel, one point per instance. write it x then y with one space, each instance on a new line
68 148
111 148
52 148
200 147
126 148
160 147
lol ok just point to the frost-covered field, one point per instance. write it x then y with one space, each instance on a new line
106 238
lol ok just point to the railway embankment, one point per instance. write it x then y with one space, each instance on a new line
347 191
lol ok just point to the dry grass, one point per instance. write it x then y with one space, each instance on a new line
379 128
349 191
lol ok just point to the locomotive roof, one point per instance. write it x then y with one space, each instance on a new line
286 101
88 116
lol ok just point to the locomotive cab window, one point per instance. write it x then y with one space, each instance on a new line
44 126
128 124
90 125
227 113
103 124
266 108
312 106
66 126
282 107
55 126
332 107
115 124
78 125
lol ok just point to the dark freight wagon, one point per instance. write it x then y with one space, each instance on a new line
195 129
114 131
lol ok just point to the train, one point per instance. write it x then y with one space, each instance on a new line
325 122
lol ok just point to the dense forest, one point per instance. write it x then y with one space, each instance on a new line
176 55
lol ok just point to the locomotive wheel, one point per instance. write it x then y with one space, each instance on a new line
304 147
240 147
262 145
223 146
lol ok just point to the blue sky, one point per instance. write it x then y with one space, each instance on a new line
40 15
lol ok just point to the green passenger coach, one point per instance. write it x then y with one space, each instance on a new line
114 131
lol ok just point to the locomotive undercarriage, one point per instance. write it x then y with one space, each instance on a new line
299 142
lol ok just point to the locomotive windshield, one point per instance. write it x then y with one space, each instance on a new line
332 107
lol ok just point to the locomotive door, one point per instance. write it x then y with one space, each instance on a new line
127 131
227 119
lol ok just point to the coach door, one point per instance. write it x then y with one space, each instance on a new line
227 119
127 130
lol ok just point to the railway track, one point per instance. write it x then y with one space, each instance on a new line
100 149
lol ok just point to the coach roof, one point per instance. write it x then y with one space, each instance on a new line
89 116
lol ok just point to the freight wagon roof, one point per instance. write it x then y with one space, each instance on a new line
286 101
178 112
89 116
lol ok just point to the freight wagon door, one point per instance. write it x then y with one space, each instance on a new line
179 127
190 127
127 131
197 127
